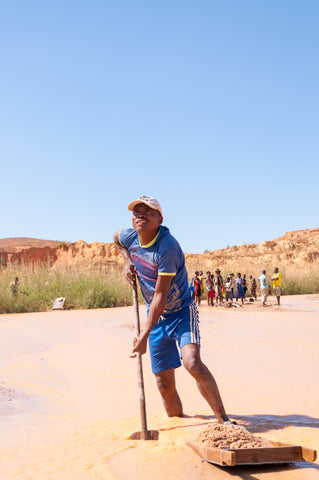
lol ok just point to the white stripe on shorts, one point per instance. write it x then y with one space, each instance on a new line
194 323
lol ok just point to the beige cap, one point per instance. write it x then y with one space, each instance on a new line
149 201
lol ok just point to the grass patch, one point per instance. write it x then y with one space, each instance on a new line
83 288
103 287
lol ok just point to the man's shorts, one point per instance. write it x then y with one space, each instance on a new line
218 291
210 293
277 291
264 294
180 327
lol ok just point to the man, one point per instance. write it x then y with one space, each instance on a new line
239 293
253 286
192 288
276 284
14 286
228 290
232 279
201 280
218 284
210 289
198 288
263 287
172 315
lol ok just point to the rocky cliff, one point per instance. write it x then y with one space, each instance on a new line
297 247
31 251
300 247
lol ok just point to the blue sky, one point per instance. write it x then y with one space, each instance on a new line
211 107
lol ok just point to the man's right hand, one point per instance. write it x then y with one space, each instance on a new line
130 273
139 345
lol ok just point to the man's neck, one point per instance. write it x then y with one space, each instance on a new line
146 237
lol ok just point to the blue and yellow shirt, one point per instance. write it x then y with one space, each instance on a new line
162 256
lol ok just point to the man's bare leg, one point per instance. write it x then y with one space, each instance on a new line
167 387
205 380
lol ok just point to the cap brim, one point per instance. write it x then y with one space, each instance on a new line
137 202
132 204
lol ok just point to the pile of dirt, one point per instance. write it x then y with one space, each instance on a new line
216 435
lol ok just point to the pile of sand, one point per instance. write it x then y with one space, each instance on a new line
216 435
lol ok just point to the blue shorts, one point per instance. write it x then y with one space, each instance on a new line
181 327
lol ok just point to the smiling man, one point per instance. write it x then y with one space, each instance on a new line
172 316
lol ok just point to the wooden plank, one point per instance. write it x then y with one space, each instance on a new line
269 454
309 455
278 453
228 457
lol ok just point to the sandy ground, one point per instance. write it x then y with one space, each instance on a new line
69 397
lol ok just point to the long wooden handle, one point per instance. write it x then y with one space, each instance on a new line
140 366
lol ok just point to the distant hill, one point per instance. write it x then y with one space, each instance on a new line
299 248
20 242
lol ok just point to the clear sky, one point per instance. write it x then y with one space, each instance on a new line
210 106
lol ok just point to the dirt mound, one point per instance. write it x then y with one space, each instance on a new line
216 435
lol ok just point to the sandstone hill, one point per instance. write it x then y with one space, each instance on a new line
299 248
31 250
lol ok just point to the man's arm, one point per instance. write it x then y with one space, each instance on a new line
130 277
156 310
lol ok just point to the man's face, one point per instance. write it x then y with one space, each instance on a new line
145 218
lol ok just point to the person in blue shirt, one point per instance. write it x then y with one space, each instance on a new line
192 288
172 317
263 288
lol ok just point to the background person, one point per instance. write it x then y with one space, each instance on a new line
232 279
245 285
276 284
198 288
201 281
228 290
218 284
239 293
14 287
263 288
253 286
210 289
192 288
